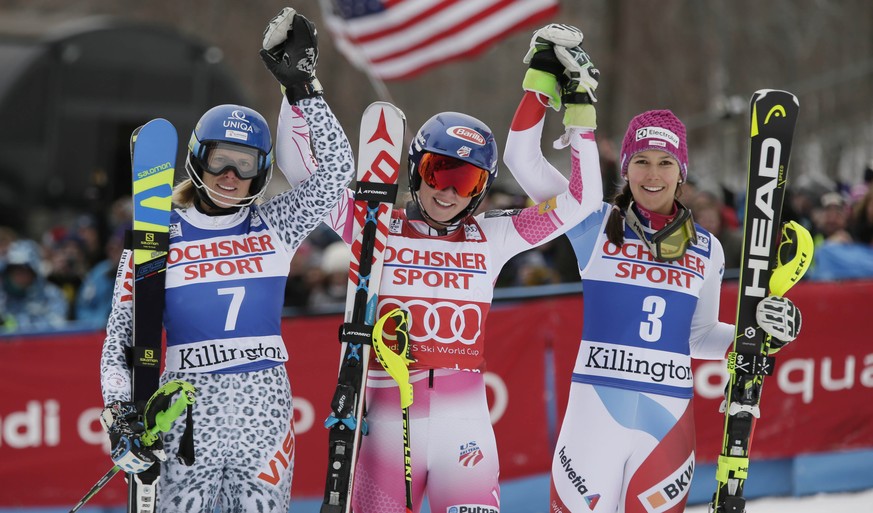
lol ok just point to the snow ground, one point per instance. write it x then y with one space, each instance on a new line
859 502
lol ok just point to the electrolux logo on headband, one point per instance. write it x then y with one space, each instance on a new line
654 132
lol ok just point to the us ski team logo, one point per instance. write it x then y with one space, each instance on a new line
471 455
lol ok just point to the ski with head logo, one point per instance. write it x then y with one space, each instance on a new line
774 258
381 146
153 155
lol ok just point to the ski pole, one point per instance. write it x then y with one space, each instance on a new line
397 366
163 422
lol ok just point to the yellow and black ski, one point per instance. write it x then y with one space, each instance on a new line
774 258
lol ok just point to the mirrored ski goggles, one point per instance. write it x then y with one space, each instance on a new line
442 172
246 162
670 242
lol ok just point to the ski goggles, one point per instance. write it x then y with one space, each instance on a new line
670 242
442 172
243 160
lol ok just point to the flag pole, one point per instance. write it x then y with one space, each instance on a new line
329 10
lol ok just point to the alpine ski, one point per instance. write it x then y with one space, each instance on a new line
153 155
381 145
774 258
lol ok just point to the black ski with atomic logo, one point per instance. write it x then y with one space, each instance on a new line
381 146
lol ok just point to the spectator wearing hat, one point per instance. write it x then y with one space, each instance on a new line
27 300
832 220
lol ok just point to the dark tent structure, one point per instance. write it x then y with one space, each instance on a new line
70 98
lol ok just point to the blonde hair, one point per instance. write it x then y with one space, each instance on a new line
184 194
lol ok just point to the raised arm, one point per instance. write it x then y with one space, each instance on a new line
312 150
559 73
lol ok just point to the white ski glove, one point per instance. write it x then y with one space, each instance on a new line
545 74
780 318
290 52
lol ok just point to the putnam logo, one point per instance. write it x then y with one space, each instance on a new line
466 134
471 508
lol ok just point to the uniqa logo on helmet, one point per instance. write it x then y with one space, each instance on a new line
237 121
466 134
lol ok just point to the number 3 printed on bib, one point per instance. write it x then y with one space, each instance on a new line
654 307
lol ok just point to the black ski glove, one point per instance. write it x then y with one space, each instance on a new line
290 53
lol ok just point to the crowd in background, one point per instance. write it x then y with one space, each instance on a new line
65 278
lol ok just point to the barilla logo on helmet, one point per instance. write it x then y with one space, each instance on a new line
466 134
654 132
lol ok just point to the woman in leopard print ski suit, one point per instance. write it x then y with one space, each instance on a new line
228 262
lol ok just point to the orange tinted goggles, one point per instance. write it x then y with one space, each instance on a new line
442 172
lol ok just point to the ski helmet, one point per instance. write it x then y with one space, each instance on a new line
238 128
460 137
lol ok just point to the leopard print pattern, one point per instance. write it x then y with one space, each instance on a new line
297 212
243 445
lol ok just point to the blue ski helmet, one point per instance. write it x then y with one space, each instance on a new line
458 136
237 126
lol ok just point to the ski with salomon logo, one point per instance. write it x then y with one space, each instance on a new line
379 152
153 154
774 258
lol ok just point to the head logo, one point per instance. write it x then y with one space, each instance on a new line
466 134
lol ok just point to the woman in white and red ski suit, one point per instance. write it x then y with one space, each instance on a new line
627 439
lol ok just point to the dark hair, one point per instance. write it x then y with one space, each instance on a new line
615 224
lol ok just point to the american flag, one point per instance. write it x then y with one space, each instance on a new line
395 39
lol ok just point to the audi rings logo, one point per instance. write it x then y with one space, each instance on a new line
238 114
443 321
